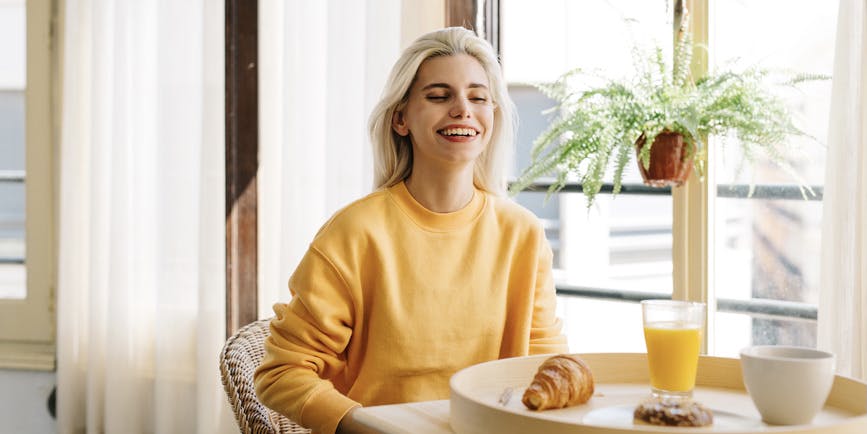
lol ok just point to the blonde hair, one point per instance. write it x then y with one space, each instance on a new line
392 153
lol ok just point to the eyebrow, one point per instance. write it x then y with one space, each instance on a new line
447 86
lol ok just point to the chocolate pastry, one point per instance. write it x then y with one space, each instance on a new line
673 412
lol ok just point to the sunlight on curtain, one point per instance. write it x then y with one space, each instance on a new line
141 251
324 64
843 297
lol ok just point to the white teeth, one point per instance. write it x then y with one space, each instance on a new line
458 132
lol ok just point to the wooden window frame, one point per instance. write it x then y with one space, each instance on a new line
466 13
242 162
27 326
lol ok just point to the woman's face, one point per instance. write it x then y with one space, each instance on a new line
450 112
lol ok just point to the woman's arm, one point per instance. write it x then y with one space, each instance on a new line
546 335
306 348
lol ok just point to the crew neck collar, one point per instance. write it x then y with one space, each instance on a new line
437 221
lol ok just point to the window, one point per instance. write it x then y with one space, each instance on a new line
26 186
12 82
707 241
766 247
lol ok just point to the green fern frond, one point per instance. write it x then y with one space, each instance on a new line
597 126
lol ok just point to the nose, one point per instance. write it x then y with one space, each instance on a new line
460 109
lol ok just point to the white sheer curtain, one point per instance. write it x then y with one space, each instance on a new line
140 297
843 298
323 64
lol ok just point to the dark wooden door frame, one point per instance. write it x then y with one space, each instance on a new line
242 162
461 13
464 13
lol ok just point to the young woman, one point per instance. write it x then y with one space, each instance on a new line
434 271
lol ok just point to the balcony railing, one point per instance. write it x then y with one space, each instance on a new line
735 191
771 309
12 177
755 307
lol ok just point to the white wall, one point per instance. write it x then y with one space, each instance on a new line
24 402
419 17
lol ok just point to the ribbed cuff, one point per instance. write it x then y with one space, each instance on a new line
323 411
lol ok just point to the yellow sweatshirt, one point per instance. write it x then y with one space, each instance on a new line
391 299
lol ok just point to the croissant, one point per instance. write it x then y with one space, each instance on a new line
563 380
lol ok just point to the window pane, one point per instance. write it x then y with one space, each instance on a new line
768 248
621 243
12 195
13 66
12 147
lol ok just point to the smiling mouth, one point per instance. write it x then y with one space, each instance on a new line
460 132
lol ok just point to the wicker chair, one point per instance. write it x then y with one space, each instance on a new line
241 355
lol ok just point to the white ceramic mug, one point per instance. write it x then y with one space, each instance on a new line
787 384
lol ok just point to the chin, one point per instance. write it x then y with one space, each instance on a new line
462 157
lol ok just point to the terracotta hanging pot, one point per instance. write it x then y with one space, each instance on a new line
670 161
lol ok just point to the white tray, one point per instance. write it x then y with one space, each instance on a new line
621 383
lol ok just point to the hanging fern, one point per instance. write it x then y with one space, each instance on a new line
597 127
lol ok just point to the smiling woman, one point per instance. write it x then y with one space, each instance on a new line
432 272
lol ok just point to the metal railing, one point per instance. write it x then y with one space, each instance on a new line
735 191
12 176
765 308
773 309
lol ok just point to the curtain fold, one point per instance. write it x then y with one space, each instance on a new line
843 295
140 298
324 64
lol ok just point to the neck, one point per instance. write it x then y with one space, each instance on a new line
443 191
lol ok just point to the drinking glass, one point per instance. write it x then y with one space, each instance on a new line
673 335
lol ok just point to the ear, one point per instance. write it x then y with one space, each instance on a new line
398 123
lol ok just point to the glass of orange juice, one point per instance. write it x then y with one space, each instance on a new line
673 335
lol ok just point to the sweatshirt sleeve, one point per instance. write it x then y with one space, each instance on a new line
306 347
546 335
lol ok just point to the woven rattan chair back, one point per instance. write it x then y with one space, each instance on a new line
241 355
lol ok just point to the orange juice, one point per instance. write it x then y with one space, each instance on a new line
672 355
